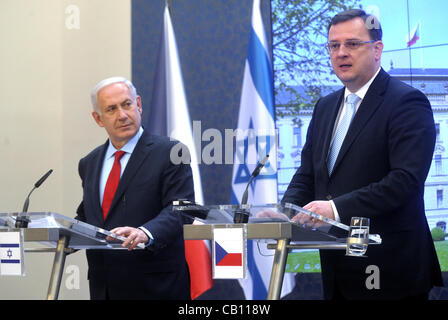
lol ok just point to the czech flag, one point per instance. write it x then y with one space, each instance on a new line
169 116
229 260
414 35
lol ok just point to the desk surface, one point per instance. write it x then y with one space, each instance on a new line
278 230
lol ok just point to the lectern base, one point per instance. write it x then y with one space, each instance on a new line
278 269
58 269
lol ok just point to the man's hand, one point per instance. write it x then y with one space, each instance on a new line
322 208
134 236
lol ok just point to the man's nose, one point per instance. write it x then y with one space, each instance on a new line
342 51
122 113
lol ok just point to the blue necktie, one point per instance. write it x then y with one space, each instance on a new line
341 131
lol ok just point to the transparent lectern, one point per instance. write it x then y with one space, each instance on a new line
307 230
53 232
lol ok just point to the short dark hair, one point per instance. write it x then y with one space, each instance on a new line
372 23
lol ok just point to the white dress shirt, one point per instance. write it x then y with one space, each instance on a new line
109 159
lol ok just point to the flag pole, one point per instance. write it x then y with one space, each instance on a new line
421 45
409 47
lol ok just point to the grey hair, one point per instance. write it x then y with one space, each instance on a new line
106 82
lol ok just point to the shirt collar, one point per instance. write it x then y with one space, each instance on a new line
363 90
128 147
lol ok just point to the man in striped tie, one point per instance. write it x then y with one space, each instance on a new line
368 151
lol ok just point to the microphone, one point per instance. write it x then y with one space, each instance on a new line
254 174
22 221
241 215
41 180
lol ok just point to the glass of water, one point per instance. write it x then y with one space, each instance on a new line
358 237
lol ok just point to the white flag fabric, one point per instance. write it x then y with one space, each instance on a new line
256 138
178 118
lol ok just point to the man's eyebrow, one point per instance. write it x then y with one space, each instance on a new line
126 100
121 103
351 39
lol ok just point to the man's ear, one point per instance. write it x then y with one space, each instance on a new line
139 104
97 118
378 49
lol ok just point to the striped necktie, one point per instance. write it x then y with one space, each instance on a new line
341 131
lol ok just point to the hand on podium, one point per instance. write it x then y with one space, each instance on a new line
134 236
322 208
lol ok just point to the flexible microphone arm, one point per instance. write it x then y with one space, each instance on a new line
254 174
27 201
241 215
22 220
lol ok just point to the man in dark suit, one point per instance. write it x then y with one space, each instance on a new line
377 169
140 208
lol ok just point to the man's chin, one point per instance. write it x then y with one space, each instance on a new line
124 136
347 80
127 130
345 77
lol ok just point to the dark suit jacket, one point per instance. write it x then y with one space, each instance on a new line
144 196
380 174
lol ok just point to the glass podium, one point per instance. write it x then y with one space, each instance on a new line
307 230
53 232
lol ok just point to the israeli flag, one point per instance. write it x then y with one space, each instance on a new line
11 254
256 138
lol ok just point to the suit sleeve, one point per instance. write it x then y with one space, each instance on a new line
177 183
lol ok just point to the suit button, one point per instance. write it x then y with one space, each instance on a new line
329 197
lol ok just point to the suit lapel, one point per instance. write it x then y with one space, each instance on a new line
138 156
372 100
95 200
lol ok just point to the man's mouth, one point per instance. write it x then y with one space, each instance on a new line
345 66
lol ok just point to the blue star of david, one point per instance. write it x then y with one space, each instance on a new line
243 174
9 253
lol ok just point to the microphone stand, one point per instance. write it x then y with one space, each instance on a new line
241 215
22 219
